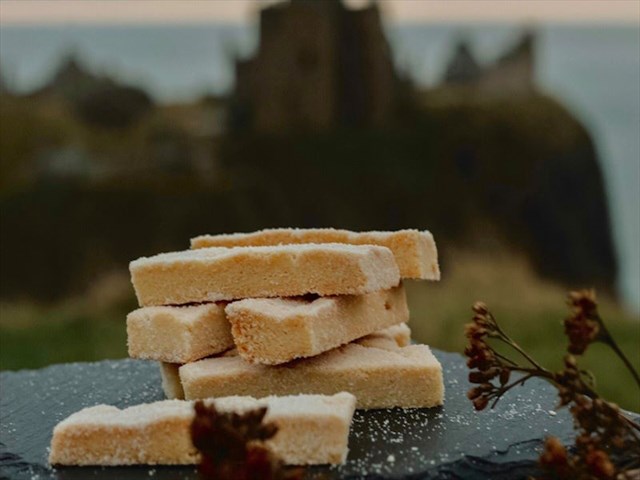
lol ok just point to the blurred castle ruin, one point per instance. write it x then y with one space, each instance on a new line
318 65
511 75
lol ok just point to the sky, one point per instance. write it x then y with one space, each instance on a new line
240 11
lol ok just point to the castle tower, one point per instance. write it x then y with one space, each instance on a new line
513 73
463 67
318 66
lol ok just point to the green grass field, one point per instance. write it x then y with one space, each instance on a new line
530 310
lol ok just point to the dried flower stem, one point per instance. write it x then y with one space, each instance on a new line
502 390
609 340
509 341
585 326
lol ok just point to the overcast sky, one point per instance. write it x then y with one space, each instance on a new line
240 11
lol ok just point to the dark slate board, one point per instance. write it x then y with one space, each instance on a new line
448 442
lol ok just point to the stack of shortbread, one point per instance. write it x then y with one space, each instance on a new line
309 323
282 312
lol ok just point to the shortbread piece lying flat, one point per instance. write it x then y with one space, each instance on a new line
379 378
212 274
388 338
178 334
415 251
312 429
277 330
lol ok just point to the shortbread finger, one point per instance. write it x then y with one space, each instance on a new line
312 429
379 378
415 251
212 274
277 330
388 338
178 334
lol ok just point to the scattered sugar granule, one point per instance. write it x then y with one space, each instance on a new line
391 458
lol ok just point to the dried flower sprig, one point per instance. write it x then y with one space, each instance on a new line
585 326
608 442
231 445
488 364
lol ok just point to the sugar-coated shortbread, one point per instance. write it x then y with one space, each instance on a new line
178 334
388 338
277 330
312 429
415 251
213 274
379 377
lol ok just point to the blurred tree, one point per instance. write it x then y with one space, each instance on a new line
99 101
113 106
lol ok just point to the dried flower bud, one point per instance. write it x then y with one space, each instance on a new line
473 330
480 355
480 403
483 376
480 308
554 453
230 446
505 373
599 464
555 459
481 320
583 299
565 394
583 325
474 393
570 362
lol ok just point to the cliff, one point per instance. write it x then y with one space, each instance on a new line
469 167
529 167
